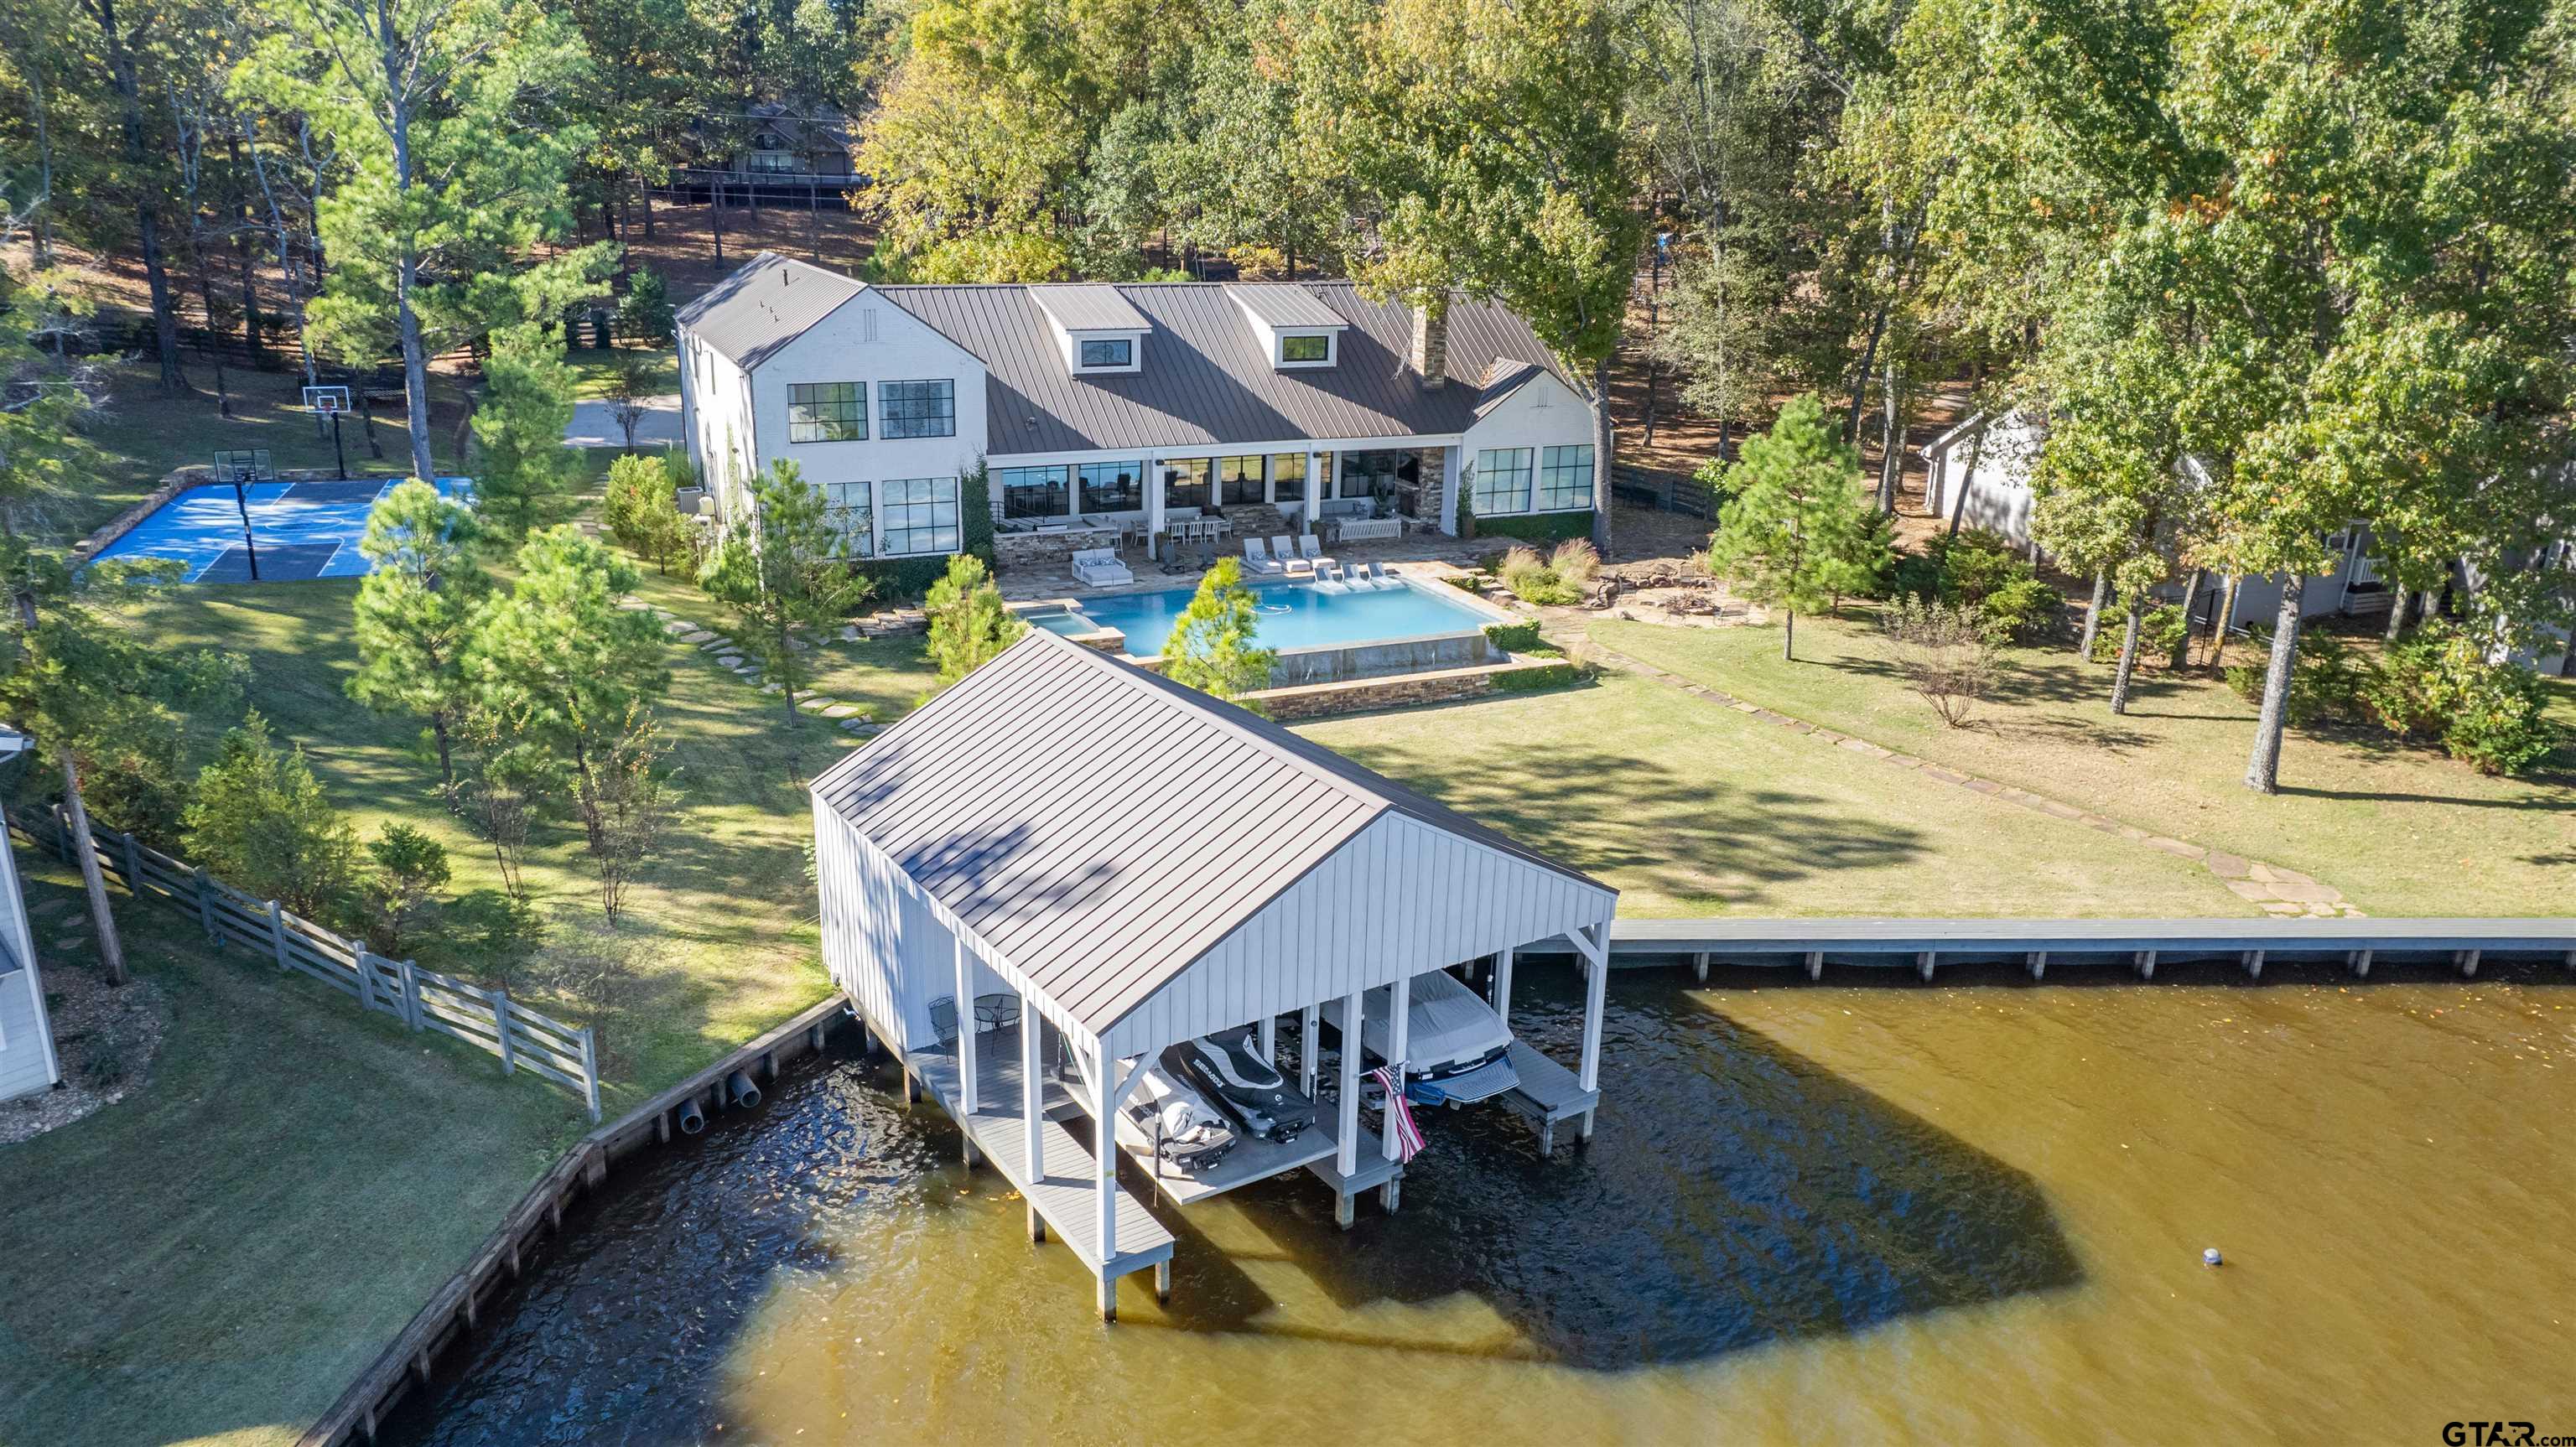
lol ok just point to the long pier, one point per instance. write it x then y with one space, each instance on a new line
2140 945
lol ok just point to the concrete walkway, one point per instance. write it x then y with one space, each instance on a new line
594 424
2278 891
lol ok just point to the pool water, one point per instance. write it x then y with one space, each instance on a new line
1293 615
298 530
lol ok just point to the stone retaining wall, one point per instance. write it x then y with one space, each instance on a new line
1040 550
193 475
1362 695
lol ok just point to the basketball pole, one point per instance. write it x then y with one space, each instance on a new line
250 545
341 457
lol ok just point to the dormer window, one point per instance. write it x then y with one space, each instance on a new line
1107 354
1306 349
1098 329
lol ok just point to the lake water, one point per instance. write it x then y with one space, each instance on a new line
1293 615
1864 1212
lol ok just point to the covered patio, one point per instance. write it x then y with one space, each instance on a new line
1131 864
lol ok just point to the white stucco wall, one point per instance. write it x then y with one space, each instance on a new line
869 339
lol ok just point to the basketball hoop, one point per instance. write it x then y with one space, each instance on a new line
326 399
245 466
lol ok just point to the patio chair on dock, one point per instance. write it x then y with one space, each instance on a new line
943 1018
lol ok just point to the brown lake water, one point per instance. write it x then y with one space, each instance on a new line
1972 1212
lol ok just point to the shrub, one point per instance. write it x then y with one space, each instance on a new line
1532 679
1946 652
646 314
1513 637
1981 570
1575 561
405 871
2159 634
261 822
1545 527
2489 715
2326 682
1534 581
1213 646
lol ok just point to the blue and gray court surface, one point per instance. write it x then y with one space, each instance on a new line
300 530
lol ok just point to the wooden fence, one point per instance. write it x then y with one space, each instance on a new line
1662 491
422 999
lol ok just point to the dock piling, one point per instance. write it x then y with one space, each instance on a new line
1342 1210
2038 964
2254 964
1699 966
1037 1226
1923 966
2469 964
2360 962
1815 965
2145 961
1163 1281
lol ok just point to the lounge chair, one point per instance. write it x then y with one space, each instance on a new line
1100 568
1285 551
1329 571
1257 559
1311 548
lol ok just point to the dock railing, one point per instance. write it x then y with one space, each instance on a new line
423 999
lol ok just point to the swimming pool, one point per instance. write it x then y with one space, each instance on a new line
1293 616
300 530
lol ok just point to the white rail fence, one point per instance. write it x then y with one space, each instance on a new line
486 1019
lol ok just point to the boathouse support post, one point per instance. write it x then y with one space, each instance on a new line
1111 1093
966 1101
1399 1020
1348 1139
2469 963
1592 942
1503 985
2038 964
1699 966
2360 962
2145 961
2254 964
1923 966
1033 1106
1309 1050
1815 965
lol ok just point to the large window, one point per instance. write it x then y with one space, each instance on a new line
774 162
1502 481
1185 482
1288 472
920 515
1238 479
1032 492
1306 349
1113 352
918 409
1113 486
846 508
827 411
1565 478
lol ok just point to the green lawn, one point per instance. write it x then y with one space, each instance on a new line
592 370
720 927
1693 809
2400 830
215 1257
141 436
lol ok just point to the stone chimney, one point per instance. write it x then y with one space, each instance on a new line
1431 339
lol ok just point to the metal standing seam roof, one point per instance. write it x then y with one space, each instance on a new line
1085 307
770 302
1284 304
1205 380
1067 806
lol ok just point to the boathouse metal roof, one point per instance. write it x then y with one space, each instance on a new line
1110 837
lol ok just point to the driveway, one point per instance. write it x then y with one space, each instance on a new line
594 424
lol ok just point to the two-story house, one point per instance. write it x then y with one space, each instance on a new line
1121 407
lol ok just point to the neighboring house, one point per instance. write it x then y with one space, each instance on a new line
27 1062
1122 405
1980 473
790 142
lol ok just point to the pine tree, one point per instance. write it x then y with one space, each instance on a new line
261 821
526 474
416 612
783 567
1791 537
1211 648
969 624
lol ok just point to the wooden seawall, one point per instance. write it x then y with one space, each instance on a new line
458 1305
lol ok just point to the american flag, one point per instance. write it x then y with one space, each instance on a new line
1408 1136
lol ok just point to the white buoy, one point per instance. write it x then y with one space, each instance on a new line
2210 1257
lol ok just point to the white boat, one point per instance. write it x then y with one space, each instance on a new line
1455 1043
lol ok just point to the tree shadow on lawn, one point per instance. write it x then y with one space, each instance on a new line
1618 813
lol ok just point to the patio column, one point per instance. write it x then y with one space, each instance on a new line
1306 1052
1153 507
1105 1176
1032 1094
1399 1011
966 1039
1503 985
1347 1159
1314 496
1593 943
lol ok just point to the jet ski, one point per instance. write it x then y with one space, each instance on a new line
1178 1123
1243 1085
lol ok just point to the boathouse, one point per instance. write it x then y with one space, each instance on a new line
1065 863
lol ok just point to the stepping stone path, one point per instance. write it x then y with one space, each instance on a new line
70 942
816 703
844 710
43 907
696 635
729 660
2280 892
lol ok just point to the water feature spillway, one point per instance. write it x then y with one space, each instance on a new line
1872 1212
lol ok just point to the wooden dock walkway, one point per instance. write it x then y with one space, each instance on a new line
1548 1093
2137 944
1063 1189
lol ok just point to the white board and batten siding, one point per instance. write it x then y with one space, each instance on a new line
1400 898
888 947
27 1059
